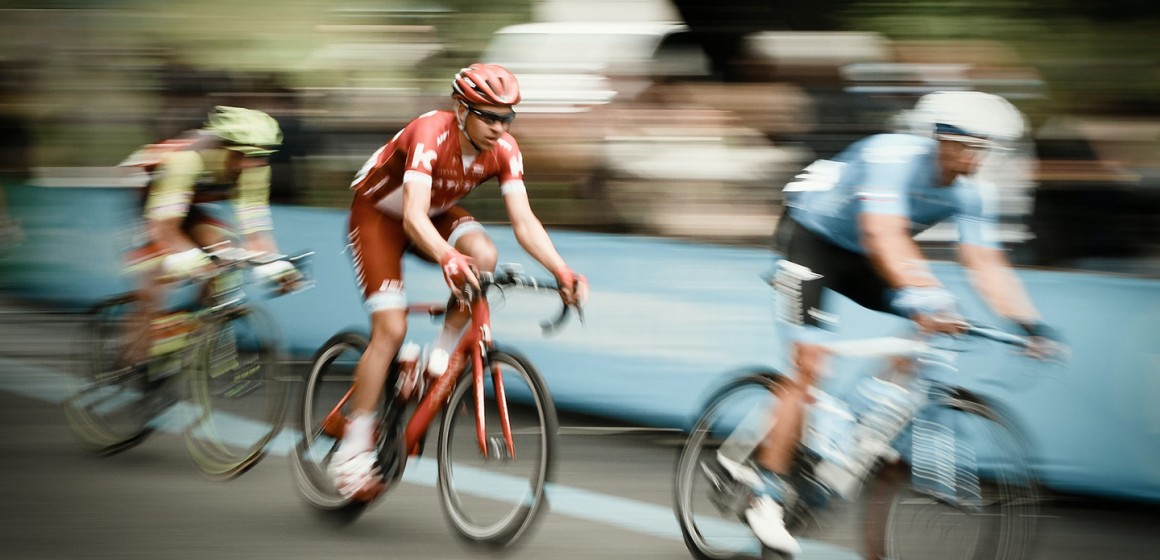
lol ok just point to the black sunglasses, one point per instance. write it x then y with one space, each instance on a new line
492 118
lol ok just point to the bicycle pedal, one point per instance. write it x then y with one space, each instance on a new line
370 492
727 494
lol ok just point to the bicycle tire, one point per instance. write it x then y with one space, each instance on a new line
238 372
493 501
330 378
711 529
1001 525
106 410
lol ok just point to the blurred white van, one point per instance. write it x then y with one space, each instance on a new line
574 66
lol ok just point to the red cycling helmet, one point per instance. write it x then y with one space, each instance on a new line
486 84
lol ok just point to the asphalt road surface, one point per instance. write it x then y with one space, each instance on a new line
611 498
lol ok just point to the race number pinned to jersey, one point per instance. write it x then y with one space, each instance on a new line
820 175
797 288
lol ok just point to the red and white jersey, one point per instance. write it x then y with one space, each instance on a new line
428 149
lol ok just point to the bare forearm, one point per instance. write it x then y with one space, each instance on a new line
996 282
167 232
262 241
534 239
893 253
423 234
417 224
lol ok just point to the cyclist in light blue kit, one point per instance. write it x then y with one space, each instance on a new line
849 226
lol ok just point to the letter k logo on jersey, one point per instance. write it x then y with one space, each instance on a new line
423 157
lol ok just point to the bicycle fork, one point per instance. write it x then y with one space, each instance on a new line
508 451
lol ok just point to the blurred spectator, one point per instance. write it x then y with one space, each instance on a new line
15 146
186 94
272 96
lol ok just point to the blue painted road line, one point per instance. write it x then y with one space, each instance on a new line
623 513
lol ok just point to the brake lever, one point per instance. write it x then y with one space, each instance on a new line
550 327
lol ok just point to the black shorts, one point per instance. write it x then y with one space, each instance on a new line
833 267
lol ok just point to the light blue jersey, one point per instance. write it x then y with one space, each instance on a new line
894 174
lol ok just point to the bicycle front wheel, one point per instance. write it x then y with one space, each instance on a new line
107 407
492 492
238 388
991 511
733 422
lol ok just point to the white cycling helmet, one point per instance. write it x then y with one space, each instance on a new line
970 113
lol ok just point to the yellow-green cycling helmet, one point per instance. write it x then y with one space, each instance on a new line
251 132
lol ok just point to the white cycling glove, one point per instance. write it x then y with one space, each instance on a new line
185 263
927 300
277 271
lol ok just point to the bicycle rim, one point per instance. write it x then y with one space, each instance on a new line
105 408
999 524
330 379
238 387
492 500
732 422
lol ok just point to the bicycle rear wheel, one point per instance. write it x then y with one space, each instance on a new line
492 499
707 506
107 408
320 418
238 387
996 521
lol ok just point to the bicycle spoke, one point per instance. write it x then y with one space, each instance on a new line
708 502
236 384
105 409
491 496
991 514
327 385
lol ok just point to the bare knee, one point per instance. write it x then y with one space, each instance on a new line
388 328
809 359
481 249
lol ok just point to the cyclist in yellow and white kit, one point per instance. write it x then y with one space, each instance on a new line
226 159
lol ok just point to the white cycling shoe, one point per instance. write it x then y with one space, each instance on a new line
765 516
357 476
765 519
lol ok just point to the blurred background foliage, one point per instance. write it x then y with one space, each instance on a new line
94 62
1097 56
700 154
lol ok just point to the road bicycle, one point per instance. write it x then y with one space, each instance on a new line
218 360
496 441
934 470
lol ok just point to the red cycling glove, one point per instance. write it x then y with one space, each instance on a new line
574 286
457 269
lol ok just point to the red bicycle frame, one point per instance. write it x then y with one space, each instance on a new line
475 344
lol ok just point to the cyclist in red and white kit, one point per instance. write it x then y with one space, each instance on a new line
405 200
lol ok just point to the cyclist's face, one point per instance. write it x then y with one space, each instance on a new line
486 123
236 162
960 155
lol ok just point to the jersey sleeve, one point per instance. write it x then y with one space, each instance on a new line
977 217
252 204
888 170
172 190
420 144
511 165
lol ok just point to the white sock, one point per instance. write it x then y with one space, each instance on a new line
359 436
